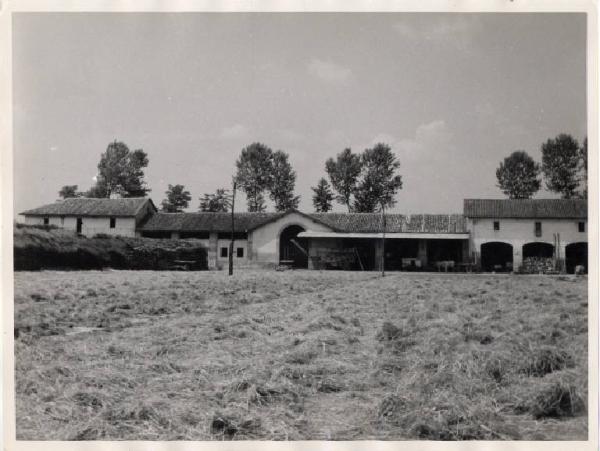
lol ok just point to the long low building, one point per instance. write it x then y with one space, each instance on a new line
491 234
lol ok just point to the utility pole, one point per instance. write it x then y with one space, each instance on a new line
383 240
232 231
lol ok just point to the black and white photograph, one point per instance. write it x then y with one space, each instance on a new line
302 226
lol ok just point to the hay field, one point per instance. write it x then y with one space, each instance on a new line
297 355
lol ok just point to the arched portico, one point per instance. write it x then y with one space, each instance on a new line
576 254
496 256
293 251
538 249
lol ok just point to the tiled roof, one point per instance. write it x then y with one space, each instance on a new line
84 206
207 222
371 222
340 222
525 208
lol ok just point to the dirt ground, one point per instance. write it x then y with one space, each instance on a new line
299 355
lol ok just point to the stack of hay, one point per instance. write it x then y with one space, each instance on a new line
537 265
161 254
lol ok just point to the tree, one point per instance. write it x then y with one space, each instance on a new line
177 199
220 201
254 174
378 183
98 191
560 164
283 180
69 191
584 175
322 197
518 176
120 170
343 173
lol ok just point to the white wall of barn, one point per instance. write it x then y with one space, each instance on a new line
224 261
90 225
518 232
265 239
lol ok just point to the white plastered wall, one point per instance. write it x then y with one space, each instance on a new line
518 232
265 239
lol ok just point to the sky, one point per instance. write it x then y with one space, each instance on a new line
452 94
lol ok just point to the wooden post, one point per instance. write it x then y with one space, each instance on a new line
383 240
232 231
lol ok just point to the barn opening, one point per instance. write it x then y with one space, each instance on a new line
496 256
401 254
444 253
576 254
293 250
538 250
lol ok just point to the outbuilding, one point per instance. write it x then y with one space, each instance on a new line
506 234
91 216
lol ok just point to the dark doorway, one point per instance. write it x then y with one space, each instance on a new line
79 224
444 251
293 251
496 256
398 252
576 254
539 250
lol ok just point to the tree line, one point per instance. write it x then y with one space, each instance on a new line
563 168
362 182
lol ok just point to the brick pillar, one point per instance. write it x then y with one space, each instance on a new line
422 253
466 256
212 250
517 255
249 249
378 252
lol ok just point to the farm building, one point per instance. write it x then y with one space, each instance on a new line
92 216
495 235
505 234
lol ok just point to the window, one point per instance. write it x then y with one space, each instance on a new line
240 252
538 229
113 222
496 225
581 226
46 221
223 252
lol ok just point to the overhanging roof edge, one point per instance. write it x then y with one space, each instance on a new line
389 235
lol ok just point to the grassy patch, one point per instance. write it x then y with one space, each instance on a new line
293 355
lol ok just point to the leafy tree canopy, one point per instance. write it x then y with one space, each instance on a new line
254 174
220 201
518 176
177 199
68 191
322 197
378 183
120 170
584 168
560 164
343 173
283 180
